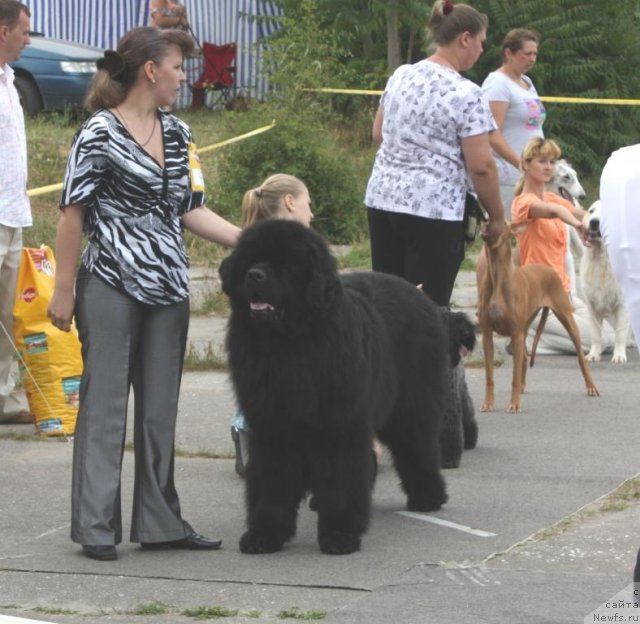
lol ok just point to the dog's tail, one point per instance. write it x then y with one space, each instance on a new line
536 339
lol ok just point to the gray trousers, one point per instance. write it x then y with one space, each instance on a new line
126 344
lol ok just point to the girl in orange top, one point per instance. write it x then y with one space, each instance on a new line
540 221
539 217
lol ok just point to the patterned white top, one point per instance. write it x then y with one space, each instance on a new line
419 168
15 209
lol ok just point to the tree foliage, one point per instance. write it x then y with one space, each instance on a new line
588 49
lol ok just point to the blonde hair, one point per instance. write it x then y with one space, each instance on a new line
536 148
448 20
265 201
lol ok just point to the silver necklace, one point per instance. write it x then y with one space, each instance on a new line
126 125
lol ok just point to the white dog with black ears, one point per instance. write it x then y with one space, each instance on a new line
601 292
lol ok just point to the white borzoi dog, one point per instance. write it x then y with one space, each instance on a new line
565 183
601 292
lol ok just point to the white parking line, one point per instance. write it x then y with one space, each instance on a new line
8 619
446 523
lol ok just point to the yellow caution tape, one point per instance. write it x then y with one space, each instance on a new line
58 187
237 138
580 100
348 91
544 98
45 189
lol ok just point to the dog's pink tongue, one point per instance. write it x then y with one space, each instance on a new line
259 305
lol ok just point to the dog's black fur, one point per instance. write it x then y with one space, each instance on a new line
460 428
320 364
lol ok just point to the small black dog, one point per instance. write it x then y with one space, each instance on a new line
459 428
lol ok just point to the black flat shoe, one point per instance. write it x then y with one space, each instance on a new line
101 553
191 542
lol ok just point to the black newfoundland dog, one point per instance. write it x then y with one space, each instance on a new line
320 365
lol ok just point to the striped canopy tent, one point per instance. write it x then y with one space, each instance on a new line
102 22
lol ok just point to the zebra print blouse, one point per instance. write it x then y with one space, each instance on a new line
133 207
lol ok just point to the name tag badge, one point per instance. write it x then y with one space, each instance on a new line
195 169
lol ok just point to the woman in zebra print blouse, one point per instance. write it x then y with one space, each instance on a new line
132 183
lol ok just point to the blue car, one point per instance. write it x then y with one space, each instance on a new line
53 74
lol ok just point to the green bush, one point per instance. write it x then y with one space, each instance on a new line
301 146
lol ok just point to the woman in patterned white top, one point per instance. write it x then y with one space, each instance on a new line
132 184
434 126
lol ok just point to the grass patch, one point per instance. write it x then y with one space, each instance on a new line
616 500
358 257
151 608
178 452
54 611
210 613
470 254
295 614
204 454
216 303
48 141
15 436
210 358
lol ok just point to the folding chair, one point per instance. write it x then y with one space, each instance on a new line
218 76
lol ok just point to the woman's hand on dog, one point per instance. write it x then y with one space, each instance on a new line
583 233
491 231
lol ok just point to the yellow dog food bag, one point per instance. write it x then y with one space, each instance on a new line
52 357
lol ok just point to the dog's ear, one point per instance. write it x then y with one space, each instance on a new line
225 270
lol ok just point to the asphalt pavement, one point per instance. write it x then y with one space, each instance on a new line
537 528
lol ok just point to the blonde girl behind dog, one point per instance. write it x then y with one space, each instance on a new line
280 196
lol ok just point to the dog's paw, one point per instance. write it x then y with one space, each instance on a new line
592 356
339 543
619 358
424 506
450 462
415 503
252 543
470 434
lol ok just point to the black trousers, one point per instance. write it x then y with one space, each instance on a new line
422 251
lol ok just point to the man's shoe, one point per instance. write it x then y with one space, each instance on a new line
191 542
101 553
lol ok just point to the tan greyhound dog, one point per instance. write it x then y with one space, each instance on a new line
509 297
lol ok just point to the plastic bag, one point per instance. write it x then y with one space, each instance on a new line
51 360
